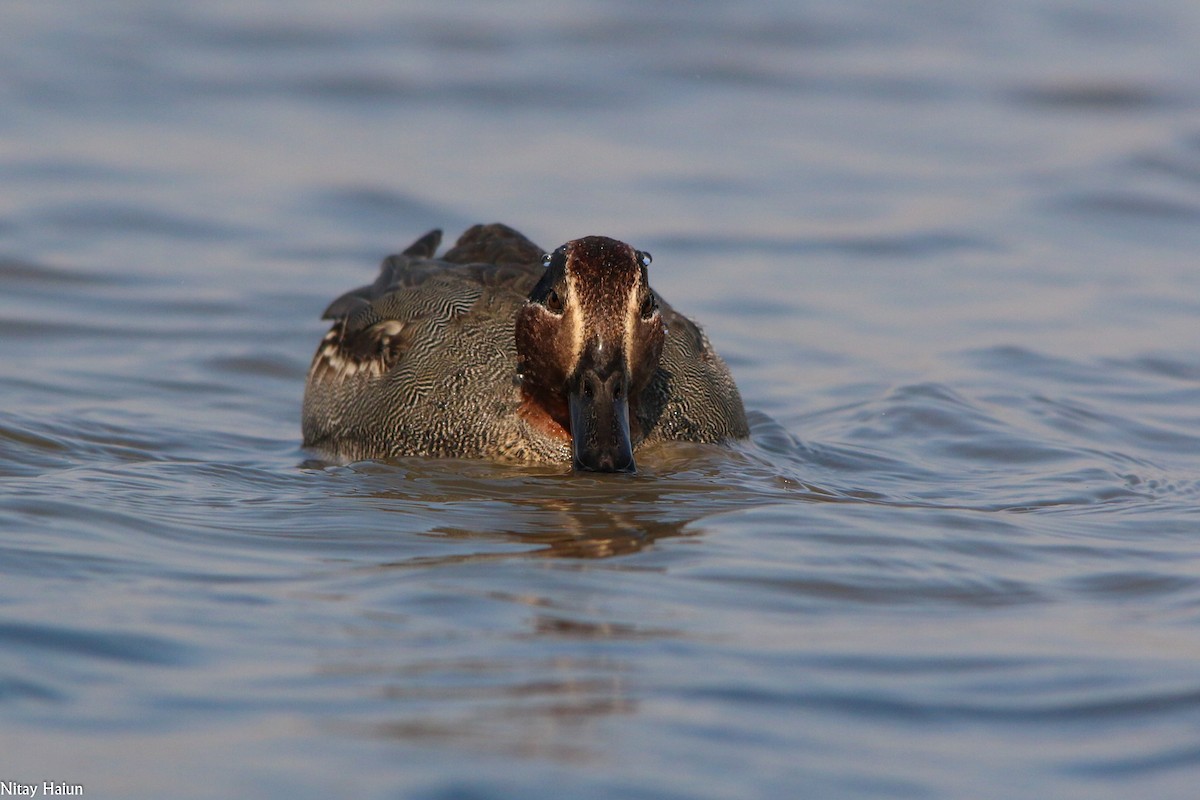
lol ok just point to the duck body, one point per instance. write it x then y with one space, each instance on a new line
496 350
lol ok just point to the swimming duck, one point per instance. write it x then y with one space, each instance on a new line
496 350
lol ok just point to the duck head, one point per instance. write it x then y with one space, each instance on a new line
589 340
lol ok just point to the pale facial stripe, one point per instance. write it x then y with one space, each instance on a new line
633 311
576 311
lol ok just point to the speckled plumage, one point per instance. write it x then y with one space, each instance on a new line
424 361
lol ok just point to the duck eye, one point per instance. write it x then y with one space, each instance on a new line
649 307
553 302
644 258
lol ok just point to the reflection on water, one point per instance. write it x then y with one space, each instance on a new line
523 707
949 255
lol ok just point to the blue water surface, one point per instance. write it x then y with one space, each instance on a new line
950 251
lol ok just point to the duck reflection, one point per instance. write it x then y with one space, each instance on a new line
557 515
537 709
563 529
488 655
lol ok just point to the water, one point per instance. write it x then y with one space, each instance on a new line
949 250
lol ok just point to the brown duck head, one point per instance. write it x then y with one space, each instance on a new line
589 340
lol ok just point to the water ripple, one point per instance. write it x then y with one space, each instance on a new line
89 644
949 250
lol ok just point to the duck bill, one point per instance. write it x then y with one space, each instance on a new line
599 409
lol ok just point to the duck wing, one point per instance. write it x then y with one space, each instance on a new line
416 296
494 244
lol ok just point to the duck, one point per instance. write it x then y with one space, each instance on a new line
500 350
